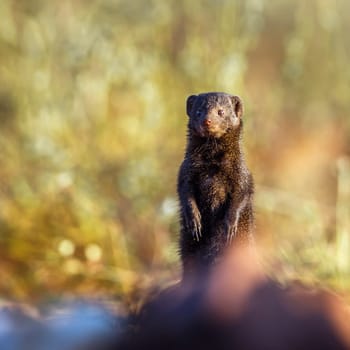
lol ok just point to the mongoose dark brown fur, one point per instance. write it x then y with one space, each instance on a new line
215 187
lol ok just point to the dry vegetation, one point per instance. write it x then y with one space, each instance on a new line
93 127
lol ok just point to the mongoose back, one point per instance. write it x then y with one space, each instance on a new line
215 187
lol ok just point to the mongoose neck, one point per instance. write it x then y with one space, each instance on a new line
229 143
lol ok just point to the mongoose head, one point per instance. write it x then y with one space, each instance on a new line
213 114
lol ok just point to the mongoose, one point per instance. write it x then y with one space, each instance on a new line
215 187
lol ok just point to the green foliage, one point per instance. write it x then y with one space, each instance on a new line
93 127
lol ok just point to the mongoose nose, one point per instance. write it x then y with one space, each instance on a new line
207 122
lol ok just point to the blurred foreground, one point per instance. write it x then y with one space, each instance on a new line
234 307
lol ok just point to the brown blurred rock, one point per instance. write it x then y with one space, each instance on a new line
238 307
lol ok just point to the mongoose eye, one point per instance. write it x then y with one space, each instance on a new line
221 112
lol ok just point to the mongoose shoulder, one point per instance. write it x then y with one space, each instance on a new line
215 187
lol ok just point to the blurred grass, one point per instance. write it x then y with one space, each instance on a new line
93 130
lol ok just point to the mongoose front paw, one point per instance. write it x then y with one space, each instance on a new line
231 232
193 224
197 230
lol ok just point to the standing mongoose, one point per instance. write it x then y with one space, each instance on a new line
215 187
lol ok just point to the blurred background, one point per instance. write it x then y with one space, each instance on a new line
93 125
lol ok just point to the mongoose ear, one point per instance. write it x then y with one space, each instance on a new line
190 103
237 105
